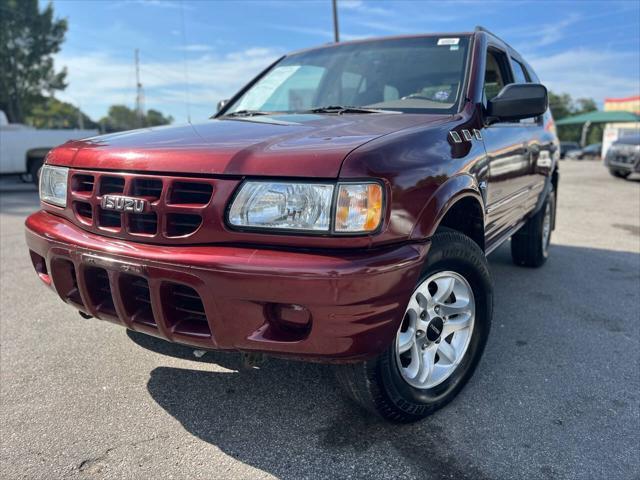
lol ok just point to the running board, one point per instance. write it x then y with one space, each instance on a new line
504 238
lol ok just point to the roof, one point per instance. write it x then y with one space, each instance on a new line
598 116
378 39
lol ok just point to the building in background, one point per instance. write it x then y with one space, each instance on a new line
614 131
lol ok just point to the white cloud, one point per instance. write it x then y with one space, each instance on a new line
194 47
98 80
362 7
161 4
588 73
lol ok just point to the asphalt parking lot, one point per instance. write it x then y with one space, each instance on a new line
557 394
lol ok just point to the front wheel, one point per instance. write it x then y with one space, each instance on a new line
439 341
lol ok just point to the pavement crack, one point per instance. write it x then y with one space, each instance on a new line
96 464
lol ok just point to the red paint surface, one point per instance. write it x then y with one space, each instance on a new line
355 300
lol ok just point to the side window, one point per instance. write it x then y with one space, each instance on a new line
519 72
522 76
496 75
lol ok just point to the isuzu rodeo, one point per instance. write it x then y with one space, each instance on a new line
339 208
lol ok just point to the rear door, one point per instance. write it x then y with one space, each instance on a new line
508 149
541 146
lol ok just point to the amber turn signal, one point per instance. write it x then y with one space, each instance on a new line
359 207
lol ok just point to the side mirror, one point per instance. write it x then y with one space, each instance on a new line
221 104
517 101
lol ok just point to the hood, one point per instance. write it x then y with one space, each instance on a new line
305 145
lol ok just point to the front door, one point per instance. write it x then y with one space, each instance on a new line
509 154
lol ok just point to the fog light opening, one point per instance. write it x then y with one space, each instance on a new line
289 319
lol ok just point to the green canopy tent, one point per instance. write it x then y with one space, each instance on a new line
587 119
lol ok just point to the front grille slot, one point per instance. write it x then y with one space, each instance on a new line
82 184
147 188
136 298
110 219
190 193
99 289
181 224
63 273
143 223
111 185
185 310
83 211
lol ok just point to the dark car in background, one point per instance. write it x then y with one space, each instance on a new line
568 147
590 152
623 157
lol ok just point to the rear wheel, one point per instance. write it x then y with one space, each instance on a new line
439 341
530 245
619 173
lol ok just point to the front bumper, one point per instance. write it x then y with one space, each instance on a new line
627 164
323 306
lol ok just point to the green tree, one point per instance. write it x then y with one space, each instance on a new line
562 105
121 117
52 113
28 39
154 118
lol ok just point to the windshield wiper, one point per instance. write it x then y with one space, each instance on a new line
245 113
340 109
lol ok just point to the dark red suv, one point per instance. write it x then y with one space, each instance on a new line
338 209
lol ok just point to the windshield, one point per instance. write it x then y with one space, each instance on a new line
420 75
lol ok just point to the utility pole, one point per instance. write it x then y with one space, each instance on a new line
139 93
336 29
80 118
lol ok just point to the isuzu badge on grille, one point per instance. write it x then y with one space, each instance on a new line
123 204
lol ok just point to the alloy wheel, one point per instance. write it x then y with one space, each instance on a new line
436 330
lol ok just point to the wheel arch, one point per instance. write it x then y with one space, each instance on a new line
456 204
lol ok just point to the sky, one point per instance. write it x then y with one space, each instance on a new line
194 53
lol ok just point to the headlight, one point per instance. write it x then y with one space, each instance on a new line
286 206
53 185
308 207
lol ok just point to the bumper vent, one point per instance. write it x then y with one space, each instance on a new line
185 311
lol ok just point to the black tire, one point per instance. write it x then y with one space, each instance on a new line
378 385
619 173
530 246
35 164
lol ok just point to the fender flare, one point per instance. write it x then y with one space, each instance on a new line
448 194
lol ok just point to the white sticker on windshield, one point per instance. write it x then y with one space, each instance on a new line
448 41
